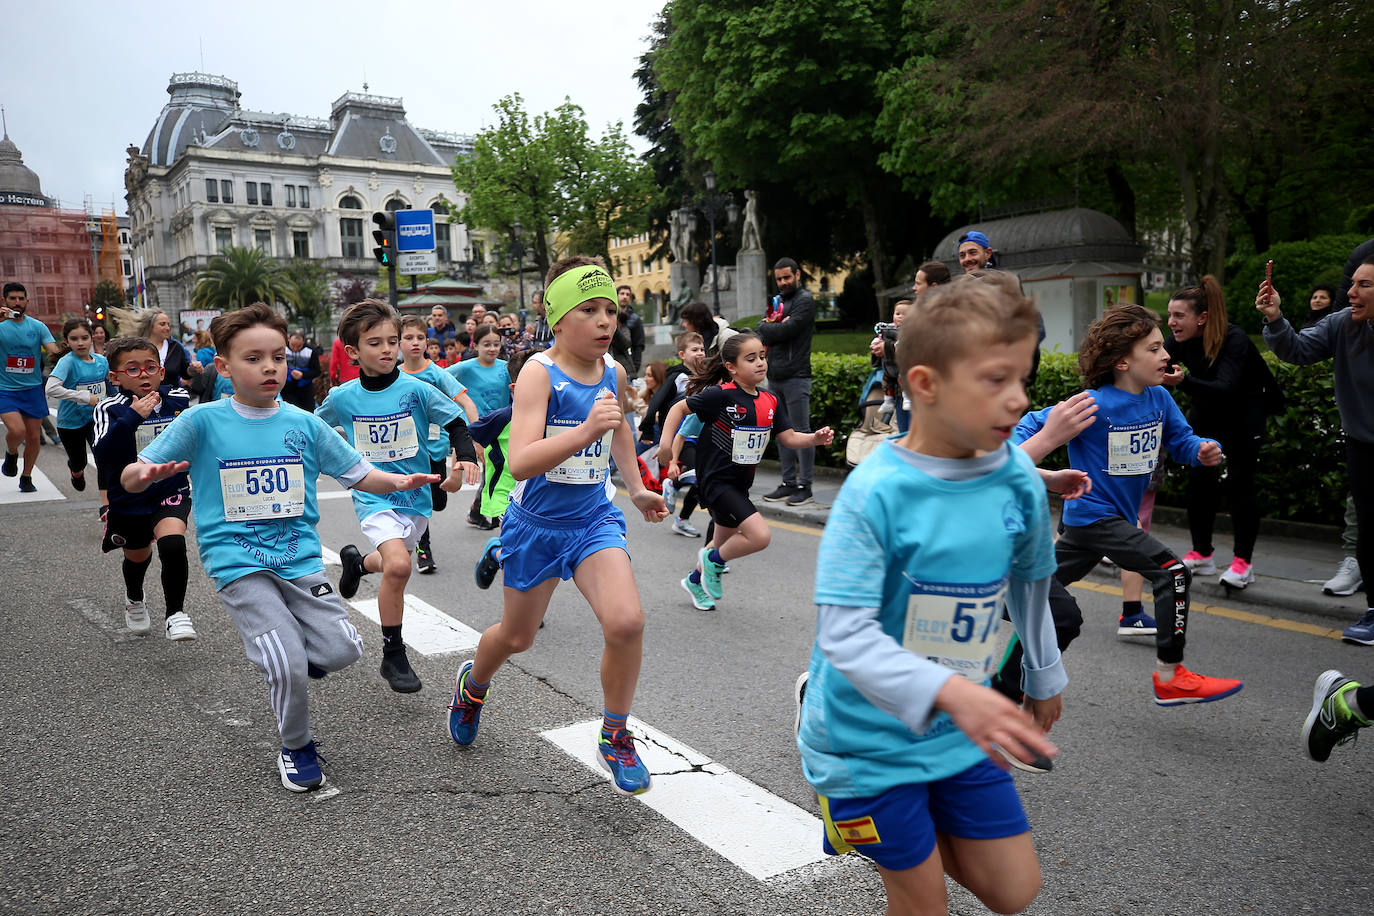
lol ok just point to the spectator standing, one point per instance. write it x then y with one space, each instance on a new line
696 316
342 367
787 331
1345 338
177 365
632 323
302 368
543 334
1320 303
1231 392
440 327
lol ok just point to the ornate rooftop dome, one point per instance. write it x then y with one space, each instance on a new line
199 102
14 175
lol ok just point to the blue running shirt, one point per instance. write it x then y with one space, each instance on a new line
577 486
390 428
254 480
21 353
79 375
489 386
437 436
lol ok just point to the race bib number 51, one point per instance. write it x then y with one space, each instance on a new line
255 488
955 625
20 365
1133 450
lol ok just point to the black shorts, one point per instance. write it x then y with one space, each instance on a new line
728 504
134 532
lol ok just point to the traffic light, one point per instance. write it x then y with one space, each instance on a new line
100 313
385 237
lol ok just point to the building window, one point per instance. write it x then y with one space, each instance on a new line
479 254
305 196
9 266
300 241
250 192
349 202
290 195
128 268
351 236
443 250
396 204
226 191
262 240
224 237
266 194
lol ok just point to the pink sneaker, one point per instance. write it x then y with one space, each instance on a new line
1239 575
1200 565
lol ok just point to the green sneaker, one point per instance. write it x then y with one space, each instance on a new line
710 573
1331 722
700 600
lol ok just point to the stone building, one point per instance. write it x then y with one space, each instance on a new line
212 174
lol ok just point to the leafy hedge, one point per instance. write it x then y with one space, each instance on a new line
1302 464
1298 266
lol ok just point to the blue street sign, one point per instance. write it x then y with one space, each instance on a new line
414 230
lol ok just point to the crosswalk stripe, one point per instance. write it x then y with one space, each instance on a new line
9 490
428 630
762 834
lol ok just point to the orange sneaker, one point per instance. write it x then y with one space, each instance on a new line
1187 687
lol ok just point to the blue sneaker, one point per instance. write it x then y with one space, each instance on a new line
710 573
488 566
1141 624
670 496
300 768
1361 631
465 713
629 775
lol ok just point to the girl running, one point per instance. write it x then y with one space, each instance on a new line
488 383
738 419
78 382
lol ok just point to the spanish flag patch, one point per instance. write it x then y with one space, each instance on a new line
858 832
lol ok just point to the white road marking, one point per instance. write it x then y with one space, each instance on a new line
9 489
332 494
760 833
330 557
428 630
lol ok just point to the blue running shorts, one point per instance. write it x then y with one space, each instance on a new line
535 548
31 402
897 828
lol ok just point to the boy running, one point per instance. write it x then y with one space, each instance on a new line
384 414
925 541
141 409
415 362
23 408
1123 362
254 462
565 425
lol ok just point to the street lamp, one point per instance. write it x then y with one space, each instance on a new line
517 251
711 203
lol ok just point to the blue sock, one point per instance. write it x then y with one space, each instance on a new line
612 723
694 577
715 557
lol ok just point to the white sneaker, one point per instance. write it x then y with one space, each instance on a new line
1200 565
1239 574
135 616
1346 581
179 627
685 528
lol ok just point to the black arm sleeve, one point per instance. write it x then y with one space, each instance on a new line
461 440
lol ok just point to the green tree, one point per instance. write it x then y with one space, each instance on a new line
781 95
612 190
308 300
106 294
240 276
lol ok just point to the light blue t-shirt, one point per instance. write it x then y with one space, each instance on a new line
390 428
254 480
488 386
224 389
690 427
439 445
933 558
21 353
1120 450
577 486
79 375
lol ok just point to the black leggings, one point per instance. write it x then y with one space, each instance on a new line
75 442
1241 446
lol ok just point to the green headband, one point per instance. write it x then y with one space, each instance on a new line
571 289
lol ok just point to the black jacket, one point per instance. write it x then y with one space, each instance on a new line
1236 390
665 396
789 341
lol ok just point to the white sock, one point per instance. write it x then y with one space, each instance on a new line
1165 670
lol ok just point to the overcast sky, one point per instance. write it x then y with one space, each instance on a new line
80 81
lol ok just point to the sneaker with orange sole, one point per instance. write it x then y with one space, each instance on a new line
1188 687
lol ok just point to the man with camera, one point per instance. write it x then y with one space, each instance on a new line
23 406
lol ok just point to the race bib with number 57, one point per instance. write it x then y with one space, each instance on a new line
955 625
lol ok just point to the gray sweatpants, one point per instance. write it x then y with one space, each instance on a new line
284 624
797 463
1080 548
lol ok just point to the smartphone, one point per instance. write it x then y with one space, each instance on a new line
1268 281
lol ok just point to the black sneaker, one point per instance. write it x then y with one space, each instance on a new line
398 673
11 465
488 566
782 492
800 496
26 484
78 482
353 571
424 559
314 671
479 522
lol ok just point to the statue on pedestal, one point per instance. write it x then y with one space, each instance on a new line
753 227
679 237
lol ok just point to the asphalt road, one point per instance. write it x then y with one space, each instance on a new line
139 775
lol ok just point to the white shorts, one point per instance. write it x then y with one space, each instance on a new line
391 525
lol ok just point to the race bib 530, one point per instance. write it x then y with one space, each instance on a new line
255 488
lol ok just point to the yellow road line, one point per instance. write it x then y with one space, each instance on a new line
1263 620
